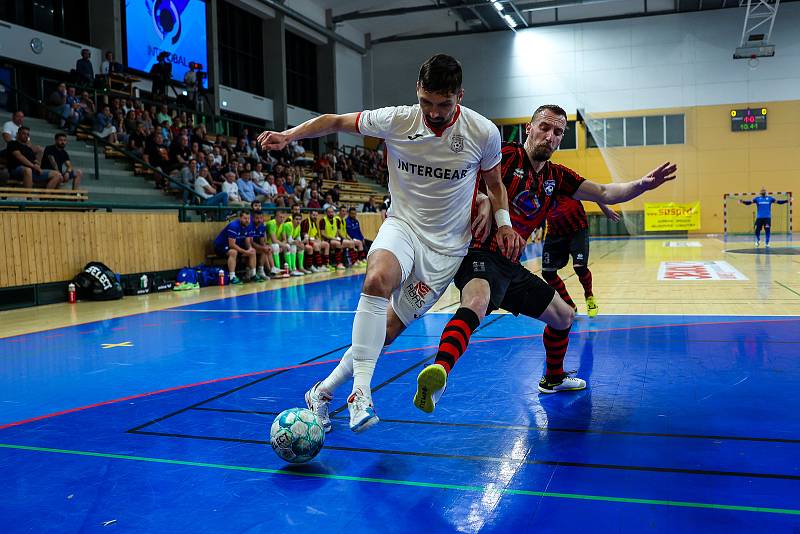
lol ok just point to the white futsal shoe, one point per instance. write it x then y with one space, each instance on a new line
317 400
362 413
566 383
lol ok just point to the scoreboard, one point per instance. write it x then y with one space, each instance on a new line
743 120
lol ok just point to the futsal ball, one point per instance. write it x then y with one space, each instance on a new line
296 435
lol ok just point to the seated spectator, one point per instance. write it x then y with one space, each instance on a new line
57 159
206 191
328 202
232 243
248 190
157 155
258 239
232 189
369 206
334 193
257 175
164 116
23 166
297 148
137 140
354 231
251 153
10 128
313 202
84 69
104 127
109 66
57 101
270 186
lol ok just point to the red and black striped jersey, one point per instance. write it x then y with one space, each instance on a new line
530 195
566 217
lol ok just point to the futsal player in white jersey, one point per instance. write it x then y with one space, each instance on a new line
436 149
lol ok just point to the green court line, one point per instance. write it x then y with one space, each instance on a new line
482 489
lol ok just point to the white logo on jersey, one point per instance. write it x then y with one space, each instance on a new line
457 143
549 186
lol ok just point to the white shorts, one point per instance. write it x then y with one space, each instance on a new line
425 273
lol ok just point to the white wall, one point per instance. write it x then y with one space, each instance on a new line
59 54
675 60
349 88
244 103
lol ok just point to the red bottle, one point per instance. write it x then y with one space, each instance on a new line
221 277
72 294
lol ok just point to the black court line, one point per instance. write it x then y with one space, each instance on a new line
412 367
541 428
228 392
787 288
500 459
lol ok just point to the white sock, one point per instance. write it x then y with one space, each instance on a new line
369 334
261 272
341 374
252 272
232 274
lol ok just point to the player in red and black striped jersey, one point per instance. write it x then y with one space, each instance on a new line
488 280
567 235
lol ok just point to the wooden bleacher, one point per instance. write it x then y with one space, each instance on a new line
352 193
22 193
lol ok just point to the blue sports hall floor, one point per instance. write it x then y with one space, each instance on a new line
158 422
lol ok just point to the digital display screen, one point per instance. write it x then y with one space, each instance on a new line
743 120
174 26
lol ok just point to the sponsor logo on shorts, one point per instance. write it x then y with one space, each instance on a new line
457 143
414 137
478 267
549 187
416 293
578 256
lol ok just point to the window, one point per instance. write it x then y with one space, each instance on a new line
241 52
570 139
654 130
516 133
64 18
674 129
301 72
635 131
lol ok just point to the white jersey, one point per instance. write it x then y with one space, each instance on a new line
433 174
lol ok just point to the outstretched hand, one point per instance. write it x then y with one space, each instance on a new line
658 176
272 140
610 214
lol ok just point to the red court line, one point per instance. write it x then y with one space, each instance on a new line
491 340
166 390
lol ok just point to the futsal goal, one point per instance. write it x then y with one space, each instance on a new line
739 219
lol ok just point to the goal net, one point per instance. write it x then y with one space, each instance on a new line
740 218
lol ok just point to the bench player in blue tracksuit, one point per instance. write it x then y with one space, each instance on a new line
763 204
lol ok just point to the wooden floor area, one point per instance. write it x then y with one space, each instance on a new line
625 276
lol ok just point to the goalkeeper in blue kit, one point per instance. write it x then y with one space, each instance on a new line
763 204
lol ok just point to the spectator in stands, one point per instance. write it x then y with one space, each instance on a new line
157 155
57 102
190 81
313 202
163 115
328 203
84 68
23 165
312 187
10 128
57 159
369 206
130 121
232 189
257 175
161 73
251 153
109 66
137 140
88 108
232 243
323 167
354 231
334 193
297 148
203 187
248 190
104 127
270 187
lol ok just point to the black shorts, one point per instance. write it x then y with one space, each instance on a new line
557 250
762 222
513 287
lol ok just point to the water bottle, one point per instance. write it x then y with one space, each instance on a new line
221 277
72 294
143 282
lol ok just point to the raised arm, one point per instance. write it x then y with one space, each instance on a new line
616 193
316 127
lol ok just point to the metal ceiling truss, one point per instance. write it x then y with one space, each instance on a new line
759 13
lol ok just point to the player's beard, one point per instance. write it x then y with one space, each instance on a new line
541 152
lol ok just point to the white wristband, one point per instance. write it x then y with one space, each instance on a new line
502 218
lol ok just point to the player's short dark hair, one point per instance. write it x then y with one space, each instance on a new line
242 212
59 135
352 208
441 74
23 128
558 110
